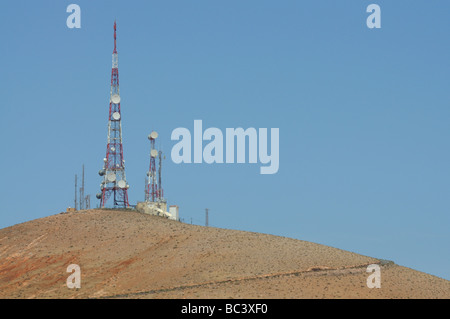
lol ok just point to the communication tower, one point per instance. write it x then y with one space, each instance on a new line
114 183
151 193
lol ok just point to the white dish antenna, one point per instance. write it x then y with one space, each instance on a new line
153 153
115 98
122 184
153 135
116 116
111 177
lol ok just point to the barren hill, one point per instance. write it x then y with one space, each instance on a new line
126 254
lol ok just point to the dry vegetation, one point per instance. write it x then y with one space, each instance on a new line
125 254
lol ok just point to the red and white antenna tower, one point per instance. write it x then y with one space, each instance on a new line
151 191
114 181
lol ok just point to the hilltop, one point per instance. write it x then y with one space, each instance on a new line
126 254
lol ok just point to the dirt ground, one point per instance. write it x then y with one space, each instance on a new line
126 254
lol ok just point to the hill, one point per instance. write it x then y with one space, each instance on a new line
126 254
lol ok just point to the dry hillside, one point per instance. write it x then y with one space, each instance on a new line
126 254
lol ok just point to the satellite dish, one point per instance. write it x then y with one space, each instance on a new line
115 98
99 195
153 153
153 135
116 116
113 148
101 172
122 184
111 177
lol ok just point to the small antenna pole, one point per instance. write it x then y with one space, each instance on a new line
82 198
76 192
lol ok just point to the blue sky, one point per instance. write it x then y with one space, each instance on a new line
363 114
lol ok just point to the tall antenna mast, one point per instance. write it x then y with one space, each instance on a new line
114 180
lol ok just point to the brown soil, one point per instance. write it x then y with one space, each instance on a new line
126 254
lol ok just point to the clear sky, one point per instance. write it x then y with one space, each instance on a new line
363 114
